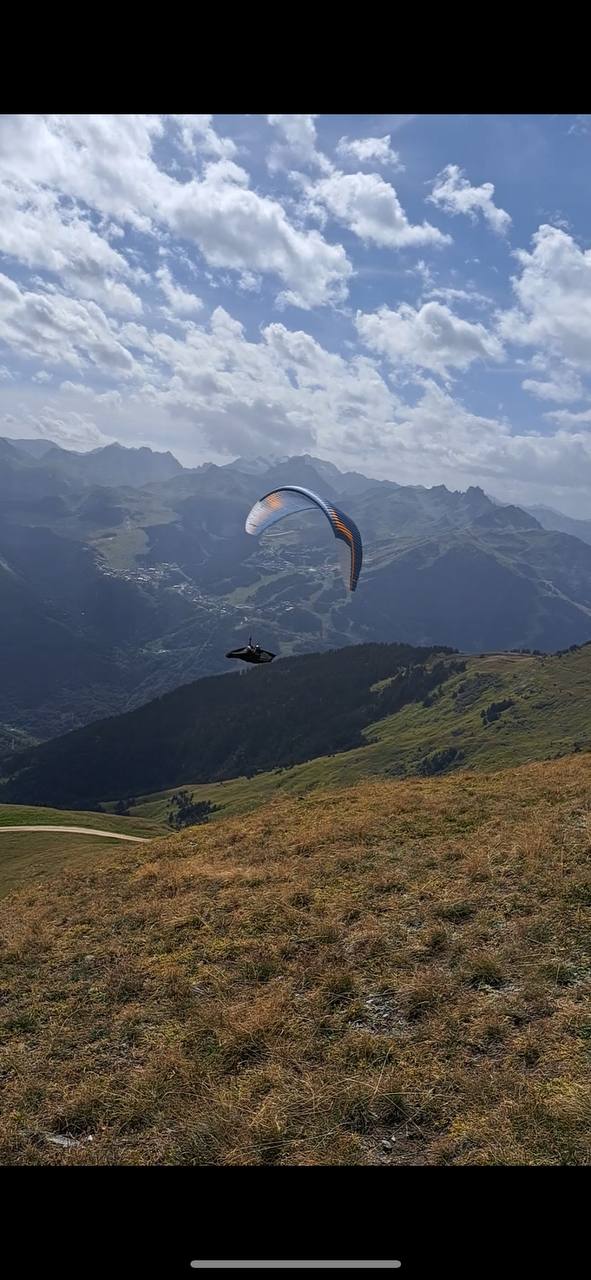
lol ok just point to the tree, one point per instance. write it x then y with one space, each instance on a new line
493 712
439 761
186 812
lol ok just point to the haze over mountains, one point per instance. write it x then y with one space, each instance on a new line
551 519
124 574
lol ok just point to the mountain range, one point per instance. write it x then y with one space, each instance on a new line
124 575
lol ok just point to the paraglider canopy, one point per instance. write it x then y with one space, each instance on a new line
289 499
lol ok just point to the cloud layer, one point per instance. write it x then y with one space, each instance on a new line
224 285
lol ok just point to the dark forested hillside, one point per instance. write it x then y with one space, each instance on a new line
226 726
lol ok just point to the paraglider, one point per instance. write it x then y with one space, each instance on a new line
289 499
251 653
286 501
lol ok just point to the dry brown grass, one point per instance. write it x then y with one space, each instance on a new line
404 963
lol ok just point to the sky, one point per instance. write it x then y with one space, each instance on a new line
404 295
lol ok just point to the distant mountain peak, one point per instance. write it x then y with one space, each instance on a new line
35 448
551 519
333 480
143 449
250 466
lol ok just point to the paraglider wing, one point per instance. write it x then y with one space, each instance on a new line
288 500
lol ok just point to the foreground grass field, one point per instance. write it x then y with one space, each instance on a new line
26 856
394 973
549 715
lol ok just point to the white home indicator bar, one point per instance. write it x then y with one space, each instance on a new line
288 1264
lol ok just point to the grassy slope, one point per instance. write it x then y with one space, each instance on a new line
404 962
26 856
17 815
552 711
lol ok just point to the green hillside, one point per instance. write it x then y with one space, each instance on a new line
13 815
550 716
28 857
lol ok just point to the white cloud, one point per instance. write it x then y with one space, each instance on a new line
58 330
554 298
580 124
569 419
235 227
136 336
248 282
439 440
370 151
65 426
104 162
447 294
214 393
453 192
180 301
87 202
563 386
107 164
111 294
109 399
298 143
37 233
423 270
198 134
431 337
370 207
278 392
77 388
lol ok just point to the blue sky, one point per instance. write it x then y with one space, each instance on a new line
405 295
